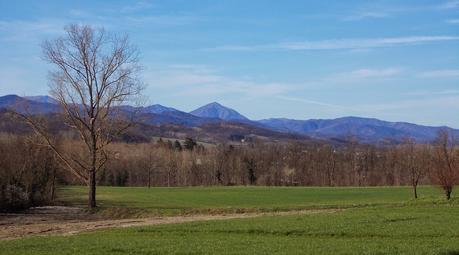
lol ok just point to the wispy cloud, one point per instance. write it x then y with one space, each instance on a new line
378 11
452 21
21 30
367 14
360 76
338 44
396 110
313 102
373 11
27 30
440 102
453 4
444 73
138 6
436 110
433 93
171 20
133 15
203 80
366 73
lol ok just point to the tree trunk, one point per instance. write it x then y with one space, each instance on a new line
53 185
92 171
149 178
448 193
415 191
92 189
168 179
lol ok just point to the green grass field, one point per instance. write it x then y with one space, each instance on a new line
173 201
383 220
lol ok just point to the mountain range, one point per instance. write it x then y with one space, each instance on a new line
214 116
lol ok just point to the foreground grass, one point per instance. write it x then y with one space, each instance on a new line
191 200
408 229
378 220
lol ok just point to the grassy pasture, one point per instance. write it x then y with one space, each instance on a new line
185 200
383 220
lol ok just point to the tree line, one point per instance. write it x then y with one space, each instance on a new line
29 171
284 164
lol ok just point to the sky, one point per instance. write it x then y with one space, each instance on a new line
392 60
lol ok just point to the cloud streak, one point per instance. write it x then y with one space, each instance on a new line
444 73
340 44
433 93
138 6
315 102
201 80
367 14
21 30
366 73
448 101
388 11
449 5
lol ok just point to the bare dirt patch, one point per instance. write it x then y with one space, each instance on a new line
61 220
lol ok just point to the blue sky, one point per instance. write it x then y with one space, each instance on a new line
393 60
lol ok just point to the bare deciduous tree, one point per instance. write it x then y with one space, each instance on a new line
94 74
415 162
445 172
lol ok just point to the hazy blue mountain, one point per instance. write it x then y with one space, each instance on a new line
175 118
42 99
363 129
21 104
215 115
159 115
157 108
216 110
9 101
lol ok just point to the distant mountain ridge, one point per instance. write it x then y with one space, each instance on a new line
367 130
363 129
42 99
22 104
218 111
157 108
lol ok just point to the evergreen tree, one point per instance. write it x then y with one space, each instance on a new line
177 145
189 144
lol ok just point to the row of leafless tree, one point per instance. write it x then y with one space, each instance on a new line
292 164
29 171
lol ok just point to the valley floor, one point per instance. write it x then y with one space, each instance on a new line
58 220
241 220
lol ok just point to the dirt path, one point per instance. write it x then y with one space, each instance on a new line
69 220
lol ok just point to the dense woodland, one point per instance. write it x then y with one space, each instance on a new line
30 171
